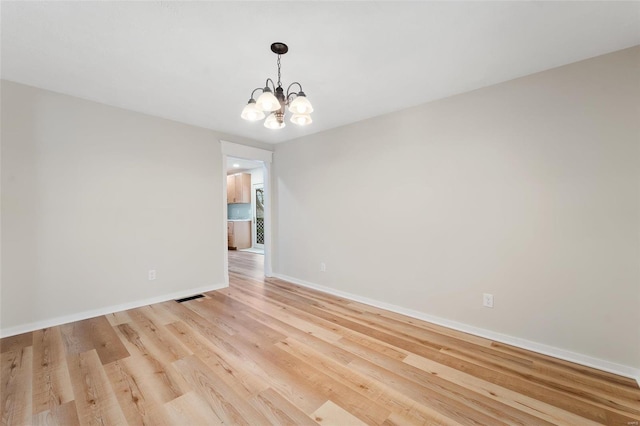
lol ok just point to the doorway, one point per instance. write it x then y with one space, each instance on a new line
245 206
240 161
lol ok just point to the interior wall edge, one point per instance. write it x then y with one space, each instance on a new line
586 360
65 319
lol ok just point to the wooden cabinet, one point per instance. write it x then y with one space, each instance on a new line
239 234
239 188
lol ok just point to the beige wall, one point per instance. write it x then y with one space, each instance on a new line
529 190
95 196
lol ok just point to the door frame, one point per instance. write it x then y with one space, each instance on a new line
230 149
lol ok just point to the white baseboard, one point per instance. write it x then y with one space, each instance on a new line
37 325
600 364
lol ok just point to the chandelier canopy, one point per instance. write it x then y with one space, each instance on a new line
273 100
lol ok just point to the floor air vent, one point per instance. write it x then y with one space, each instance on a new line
186 299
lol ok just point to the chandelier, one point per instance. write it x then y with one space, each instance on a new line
273 100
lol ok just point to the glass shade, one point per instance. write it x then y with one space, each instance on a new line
301 119
272 122
301 105
267 101
251 112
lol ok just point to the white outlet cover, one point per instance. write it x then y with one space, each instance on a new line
487 300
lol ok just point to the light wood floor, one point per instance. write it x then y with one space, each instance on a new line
269 352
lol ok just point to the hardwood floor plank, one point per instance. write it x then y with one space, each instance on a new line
332 414
523 384
94 397
51 381
191 409
309 338
17 342
157 341
429 378
203 326
140 393
456 406
128 392
15 392
287 325
106 341
325 387
76 337
93 333
228 406
230 369
278 410
258 373
159 315
399 318
595 396
60 415
284 377
399 419
168 385
372 389
336 331
118 318
202 308
611 378
544 411
255 307
221 308
587 381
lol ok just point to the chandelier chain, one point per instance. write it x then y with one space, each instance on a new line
279 83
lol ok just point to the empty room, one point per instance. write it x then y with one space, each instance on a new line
323 212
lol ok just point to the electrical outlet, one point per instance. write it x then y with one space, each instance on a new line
152 274
487 300
323 267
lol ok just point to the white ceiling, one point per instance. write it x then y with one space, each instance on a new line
243 164
197 62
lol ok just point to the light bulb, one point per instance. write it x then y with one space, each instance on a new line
267 101
301 119
272 122
301 105
251 112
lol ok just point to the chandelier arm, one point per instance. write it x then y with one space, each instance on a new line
291 93
290 97
254 91
266 84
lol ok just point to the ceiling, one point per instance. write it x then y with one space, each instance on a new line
243 165
197 62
